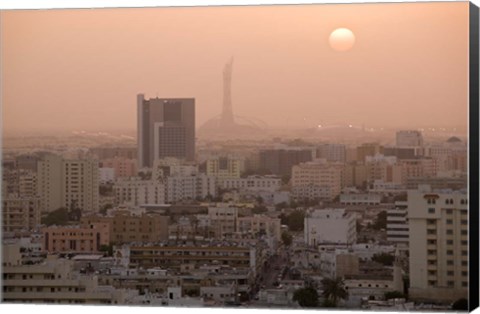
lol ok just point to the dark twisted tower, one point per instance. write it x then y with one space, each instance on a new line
226 119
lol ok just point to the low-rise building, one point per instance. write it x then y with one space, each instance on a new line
125 227
329 226
54 281
317 180
253 183
360 199
86 238
134 192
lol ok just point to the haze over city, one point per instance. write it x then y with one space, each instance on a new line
81 69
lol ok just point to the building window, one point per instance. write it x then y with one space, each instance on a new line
431 210
449 221
449 211
449 231
449 242
450 273
465 273
449 252
432 282
464 284
450 283
450 262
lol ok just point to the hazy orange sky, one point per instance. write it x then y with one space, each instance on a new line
82 69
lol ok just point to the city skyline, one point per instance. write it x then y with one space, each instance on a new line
274 66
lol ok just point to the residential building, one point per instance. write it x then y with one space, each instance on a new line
68 183
54 281
438 246
260 224
123 167
107 175
337 263
360 199
397 223
221 220
225 167
166 128
173 256
134 191
317 180
329 226
86 238
180 188
125 227
253 183
20 213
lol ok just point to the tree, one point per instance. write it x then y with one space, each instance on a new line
56 217
294 220
381 221
334 290
287 238
306 297
460 305
108 249
384 259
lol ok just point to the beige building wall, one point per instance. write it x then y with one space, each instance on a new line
438 233
20 213
66 183
55 282
50 183
126 228
224 167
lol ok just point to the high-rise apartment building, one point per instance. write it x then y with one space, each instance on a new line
166 128
68 183
438 246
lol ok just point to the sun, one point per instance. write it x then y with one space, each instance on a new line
342 39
